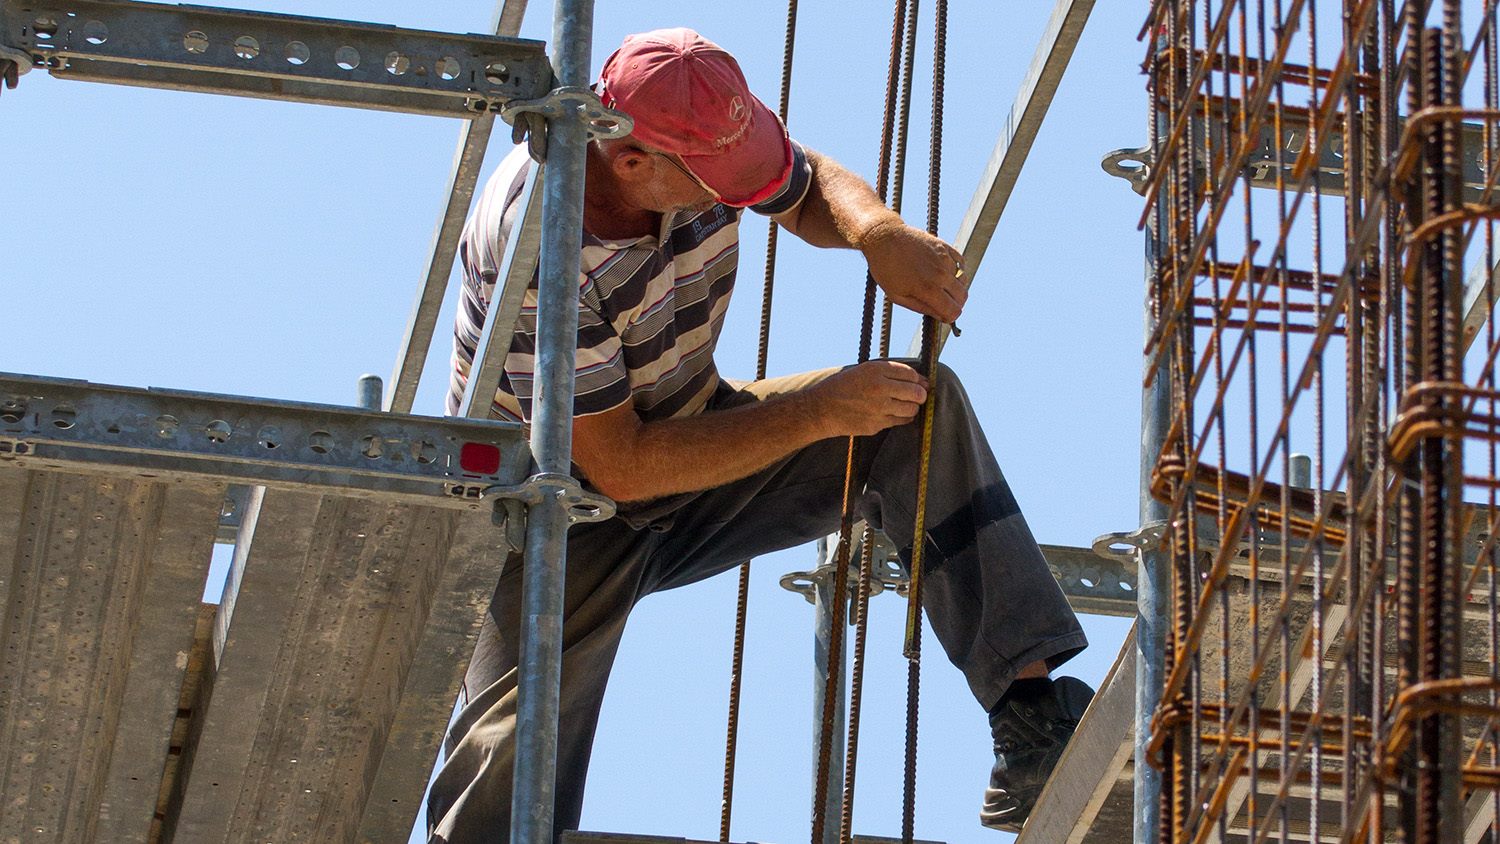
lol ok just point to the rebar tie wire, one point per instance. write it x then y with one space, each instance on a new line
737 662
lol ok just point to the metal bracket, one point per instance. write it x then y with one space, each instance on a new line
583 505
1141 539
1132 165
887 573
529 117
20 57
232 513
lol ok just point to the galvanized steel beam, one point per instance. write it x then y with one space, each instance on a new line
271 56
47 422
1480 289
1021 126
1261 166
1093 584
1031 104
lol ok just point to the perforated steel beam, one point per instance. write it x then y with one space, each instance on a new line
1093 584
281 57
1261 165
49 422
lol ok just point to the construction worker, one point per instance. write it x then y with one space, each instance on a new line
709 473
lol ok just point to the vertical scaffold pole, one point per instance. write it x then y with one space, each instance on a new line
532 802
1153 590
823 665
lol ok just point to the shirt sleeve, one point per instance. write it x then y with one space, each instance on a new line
481 252
601 380
794 191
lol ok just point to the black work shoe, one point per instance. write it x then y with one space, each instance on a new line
1032 725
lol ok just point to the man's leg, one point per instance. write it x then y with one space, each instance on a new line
470 799
994 604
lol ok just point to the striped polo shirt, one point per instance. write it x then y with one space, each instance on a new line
650 308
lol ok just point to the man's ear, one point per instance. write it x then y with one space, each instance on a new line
629 163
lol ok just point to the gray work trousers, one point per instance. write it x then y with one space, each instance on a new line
992 601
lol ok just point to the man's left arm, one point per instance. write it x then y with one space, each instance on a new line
915 269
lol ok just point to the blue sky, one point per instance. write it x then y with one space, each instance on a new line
272 249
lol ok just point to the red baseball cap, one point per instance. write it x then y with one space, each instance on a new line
688 96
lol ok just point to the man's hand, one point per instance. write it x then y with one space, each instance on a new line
868 398
916 270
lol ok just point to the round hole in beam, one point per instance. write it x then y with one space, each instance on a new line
166 426
448 68
195 42
218 431
246 47
95 32
269 437
346 57
297 53
396 64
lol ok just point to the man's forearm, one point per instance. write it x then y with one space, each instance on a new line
709 449
840 210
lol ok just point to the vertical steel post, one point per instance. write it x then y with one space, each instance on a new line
1301 471
1153 593
822 634
532 801
371 390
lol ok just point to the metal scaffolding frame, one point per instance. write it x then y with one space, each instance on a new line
101 477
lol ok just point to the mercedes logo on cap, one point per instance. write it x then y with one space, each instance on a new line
737 109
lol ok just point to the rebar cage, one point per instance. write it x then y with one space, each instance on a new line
1331 648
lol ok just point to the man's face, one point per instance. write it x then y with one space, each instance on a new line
675 188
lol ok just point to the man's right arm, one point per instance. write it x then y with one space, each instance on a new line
631 460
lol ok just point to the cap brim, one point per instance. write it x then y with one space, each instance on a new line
753 170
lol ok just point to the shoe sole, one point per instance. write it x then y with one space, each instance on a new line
1002 826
